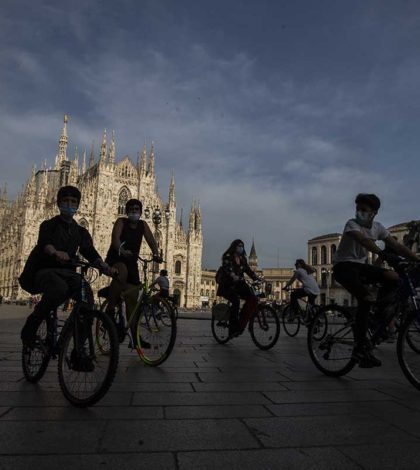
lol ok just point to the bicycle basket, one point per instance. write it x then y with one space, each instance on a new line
221 312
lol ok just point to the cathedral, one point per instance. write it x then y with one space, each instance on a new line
106 185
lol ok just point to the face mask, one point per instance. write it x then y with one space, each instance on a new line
240 250
363 218
67 211
133 216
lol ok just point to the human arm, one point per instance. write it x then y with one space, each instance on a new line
46 242
150 239
290 281
116 238
400 249
252 274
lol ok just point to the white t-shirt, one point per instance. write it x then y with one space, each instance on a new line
350 249
163 282
308 281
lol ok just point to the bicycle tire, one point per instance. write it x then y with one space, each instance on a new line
263 318
67 336
320 349
407 356
151 332
220 330
287 325
35 373
321 326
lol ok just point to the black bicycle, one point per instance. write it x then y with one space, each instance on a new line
264 325
332 354
292 319
85 374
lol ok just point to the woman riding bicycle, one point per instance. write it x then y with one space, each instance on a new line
233 287
127 236
304 274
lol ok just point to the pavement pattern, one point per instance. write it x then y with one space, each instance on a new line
211 407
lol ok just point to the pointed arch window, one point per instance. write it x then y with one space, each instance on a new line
324 254
178 267
123 197
314 256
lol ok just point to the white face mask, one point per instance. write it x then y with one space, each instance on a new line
364 218
133 216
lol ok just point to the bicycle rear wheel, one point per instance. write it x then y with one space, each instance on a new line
264 327
118 319
291 321
85 372
155 332
35 359
408 348
320 327
220 330
332 351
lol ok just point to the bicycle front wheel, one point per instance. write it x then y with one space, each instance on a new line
85 370
35 359
331 340
220 330
291 321
155 332
408 348
264 327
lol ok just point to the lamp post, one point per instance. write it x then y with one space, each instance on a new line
326 275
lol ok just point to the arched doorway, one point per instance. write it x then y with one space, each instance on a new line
177 297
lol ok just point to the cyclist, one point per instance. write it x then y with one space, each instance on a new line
163 282
304 274
127 236
46 271
353 273
233 287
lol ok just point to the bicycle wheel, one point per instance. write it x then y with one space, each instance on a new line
291 321
118 318
321 323
408 348
220 330
155 332
264 327
331 352
35 360
85 372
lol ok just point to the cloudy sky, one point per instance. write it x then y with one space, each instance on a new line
273 114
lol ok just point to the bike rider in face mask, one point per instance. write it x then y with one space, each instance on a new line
46 271
353 273
232 286
127 236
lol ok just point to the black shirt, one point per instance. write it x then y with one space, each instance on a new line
68 237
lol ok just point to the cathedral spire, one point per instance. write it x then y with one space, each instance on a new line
102 154
143 160
172 190
151 168
92 156
198 217
62 143
111 158
191 224
84 162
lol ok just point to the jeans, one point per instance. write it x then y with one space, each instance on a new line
237 291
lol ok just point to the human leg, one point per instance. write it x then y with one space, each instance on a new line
118 284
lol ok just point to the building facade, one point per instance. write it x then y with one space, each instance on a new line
106 185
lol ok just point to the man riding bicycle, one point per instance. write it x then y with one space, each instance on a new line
354 274
46 272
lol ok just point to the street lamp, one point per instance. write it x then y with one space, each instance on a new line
157 220
147 212
325 273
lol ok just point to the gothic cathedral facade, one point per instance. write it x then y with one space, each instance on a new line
105 185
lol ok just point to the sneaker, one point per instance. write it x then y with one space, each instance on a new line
363 355
369 361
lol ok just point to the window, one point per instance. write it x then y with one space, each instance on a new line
178 267
123 197
333 250
314 255
324 254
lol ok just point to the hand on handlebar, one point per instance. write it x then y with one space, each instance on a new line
157 259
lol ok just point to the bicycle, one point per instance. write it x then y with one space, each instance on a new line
149 323
292 319
85 374
332 355
264 324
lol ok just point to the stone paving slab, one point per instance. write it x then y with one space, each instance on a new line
238 386
287 459
176 435
313 396
216 411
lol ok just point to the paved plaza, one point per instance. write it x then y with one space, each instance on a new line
211 407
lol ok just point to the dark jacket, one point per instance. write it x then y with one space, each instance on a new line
229 269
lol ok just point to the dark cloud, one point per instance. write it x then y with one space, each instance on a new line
273 115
